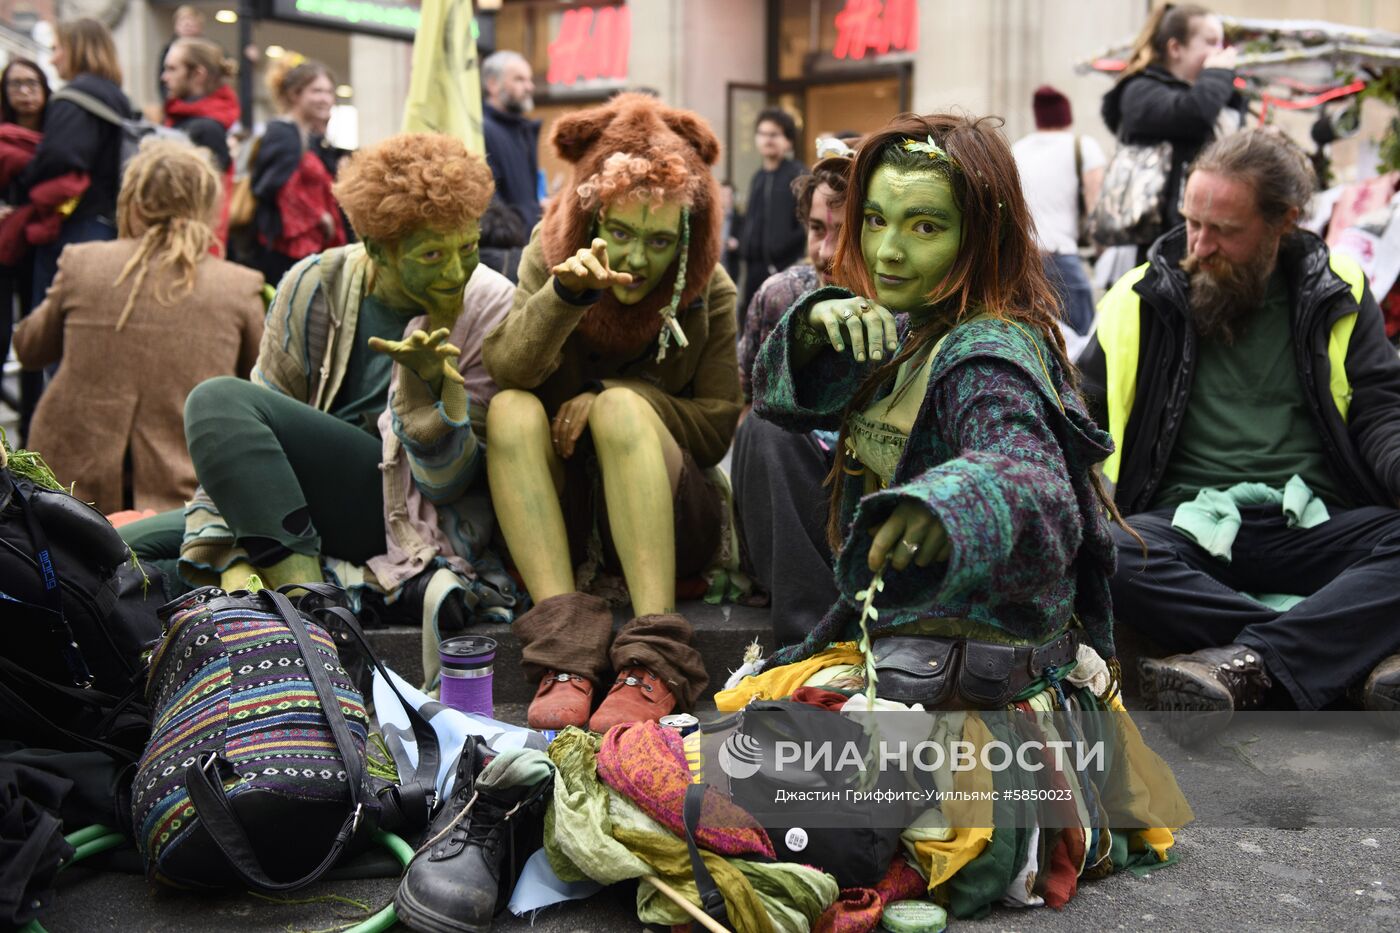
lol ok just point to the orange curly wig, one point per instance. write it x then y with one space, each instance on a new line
411 182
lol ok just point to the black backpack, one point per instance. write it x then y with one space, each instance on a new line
76 613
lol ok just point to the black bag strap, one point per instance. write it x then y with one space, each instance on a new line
17 704
711 899
91 104
53 592
204 779
413 798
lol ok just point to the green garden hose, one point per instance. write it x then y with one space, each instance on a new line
93 839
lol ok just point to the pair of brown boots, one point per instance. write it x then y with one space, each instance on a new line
567 646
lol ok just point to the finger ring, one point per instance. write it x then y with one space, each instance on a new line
911 548
846 314
864 305
566 421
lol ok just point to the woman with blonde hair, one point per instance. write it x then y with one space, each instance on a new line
1179 85
139 322
78 141
296 213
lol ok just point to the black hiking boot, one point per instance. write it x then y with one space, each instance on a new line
464 873
1203 689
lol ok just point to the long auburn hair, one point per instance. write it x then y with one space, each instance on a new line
998 270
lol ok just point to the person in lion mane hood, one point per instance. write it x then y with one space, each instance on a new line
620 385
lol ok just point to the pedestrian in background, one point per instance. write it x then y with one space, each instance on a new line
79 142
188 23
1179 85
1060 174
24 96
296 213
772 238
512 138
200 104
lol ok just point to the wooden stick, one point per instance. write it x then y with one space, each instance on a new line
705 919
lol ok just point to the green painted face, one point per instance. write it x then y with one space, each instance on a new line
427 271
642 239
910 235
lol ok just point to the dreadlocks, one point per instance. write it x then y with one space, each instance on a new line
168 196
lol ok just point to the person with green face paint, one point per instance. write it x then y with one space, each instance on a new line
359 438
619 383
964 477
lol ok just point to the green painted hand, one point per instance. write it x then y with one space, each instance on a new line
912 534
430 356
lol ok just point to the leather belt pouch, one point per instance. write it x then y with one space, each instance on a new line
989 676
916 669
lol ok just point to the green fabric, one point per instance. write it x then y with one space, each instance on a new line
516 767
1212 519
360 399
577 828
263 457
1247 417
980 883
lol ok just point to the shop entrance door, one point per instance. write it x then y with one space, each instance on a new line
822 107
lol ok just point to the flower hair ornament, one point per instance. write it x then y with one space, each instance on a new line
668 312
934 151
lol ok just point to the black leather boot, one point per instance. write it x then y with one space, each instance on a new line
1203 689
465 871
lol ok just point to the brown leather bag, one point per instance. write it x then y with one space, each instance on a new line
242 206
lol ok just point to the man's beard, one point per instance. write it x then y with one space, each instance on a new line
520 106
1225 294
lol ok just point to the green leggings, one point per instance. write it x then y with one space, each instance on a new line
286 477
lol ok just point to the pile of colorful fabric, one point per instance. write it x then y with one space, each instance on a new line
966 863
618 805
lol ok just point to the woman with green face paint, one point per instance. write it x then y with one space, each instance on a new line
964 470
620 383
358 437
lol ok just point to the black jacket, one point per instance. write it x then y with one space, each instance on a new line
209 134
1153 106
77 141
772 236
279 154
512 151
1363 450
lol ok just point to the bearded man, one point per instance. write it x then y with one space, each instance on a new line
1254 405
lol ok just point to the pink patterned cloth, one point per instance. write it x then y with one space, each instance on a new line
645 762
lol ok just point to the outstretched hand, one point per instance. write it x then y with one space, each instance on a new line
588 269
428 355
871 329
912 534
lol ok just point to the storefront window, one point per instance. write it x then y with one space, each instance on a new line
578 53
572 48
828 36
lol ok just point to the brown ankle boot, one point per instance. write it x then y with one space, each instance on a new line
564 649
562 700
637 696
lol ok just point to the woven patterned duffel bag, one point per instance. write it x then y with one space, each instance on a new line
255 773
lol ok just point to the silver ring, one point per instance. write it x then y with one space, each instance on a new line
566 421
912 548
846 314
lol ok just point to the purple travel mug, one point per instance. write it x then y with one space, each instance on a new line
468 662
